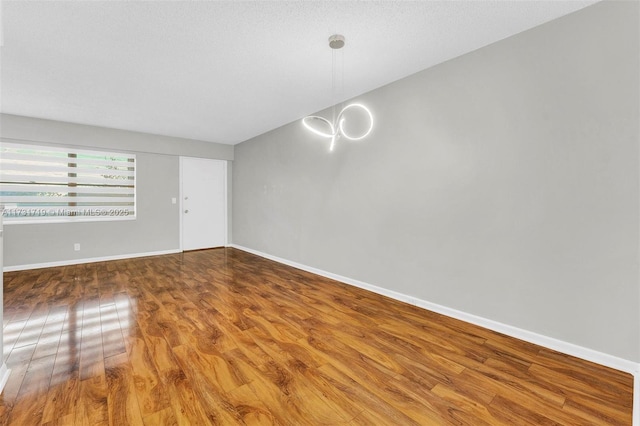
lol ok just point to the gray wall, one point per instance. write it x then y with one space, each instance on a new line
18 128
157 225
503 183
155 228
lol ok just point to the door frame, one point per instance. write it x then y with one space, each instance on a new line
225 172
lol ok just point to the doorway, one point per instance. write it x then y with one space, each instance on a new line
203 202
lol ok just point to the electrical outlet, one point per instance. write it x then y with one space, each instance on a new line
76 246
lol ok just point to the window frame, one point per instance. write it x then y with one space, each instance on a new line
15 215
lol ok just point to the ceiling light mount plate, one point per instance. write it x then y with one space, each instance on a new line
336 41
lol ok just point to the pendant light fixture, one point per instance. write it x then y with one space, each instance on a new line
335 129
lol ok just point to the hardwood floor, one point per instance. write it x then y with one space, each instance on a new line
224 337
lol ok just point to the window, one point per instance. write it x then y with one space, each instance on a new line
51 184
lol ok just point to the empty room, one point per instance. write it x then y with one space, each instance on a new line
320 212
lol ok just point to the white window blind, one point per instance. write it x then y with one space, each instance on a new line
47 184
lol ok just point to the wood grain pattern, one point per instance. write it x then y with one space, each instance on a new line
222 337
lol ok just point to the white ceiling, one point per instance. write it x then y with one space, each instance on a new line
225 71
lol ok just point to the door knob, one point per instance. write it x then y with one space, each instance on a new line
186 211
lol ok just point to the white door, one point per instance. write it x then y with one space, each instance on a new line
204 203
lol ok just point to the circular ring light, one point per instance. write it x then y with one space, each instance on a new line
341 121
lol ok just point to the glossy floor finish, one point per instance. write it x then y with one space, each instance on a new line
224 337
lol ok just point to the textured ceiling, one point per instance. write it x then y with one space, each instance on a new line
227 71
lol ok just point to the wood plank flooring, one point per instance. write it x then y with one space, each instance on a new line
224 337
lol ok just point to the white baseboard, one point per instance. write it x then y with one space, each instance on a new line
529 336
4 375
87 260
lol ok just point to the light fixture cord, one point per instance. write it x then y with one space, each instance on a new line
342 77
337 88
333 84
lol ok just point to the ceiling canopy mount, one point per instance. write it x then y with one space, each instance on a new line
336 41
